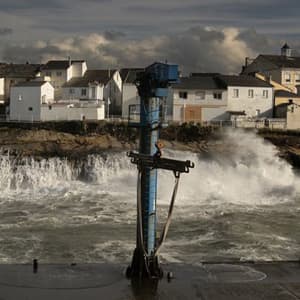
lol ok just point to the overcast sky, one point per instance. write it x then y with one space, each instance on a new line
200 35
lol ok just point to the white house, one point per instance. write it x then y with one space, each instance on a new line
247 96
26 99
198 98
61 71
96 86
283 69
11 74
130 96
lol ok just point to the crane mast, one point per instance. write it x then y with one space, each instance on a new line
153 85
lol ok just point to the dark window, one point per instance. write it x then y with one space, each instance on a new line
93 92
183 95
218 96
83 92
50 107
235 93
30 108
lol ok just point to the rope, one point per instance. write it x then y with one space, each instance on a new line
168 222
140 221
166 226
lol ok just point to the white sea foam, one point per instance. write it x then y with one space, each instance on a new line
100 191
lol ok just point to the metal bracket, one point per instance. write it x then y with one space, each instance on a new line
156 162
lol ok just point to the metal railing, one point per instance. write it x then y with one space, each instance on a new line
238 123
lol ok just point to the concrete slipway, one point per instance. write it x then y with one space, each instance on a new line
213 281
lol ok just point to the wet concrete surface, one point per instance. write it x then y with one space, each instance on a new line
213 281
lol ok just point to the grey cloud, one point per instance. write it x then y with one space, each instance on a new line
14 5
22 54
6 31
197 49
113 35
225 9
144 18
258 41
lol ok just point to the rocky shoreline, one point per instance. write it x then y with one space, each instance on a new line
76 140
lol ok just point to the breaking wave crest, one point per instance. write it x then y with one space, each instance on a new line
250 172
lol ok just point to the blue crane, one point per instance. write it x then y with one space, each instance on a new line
152 85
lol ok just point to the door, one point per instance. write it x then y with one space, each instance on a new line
192 113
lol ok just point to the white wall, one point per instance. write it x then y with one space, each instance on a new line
67 95
2 90
293 117
63 112
214 114
251 105
193 100
211 109
21 100
58 80
78 69
113 91
130 96
24 98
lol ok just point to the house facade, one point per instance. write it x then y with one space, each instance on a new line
283 69
130 96
97 86
12 74
247 96
283 96
58 72
26 99
198 99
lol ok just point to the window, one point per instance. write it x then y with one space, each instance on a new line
93 92
183 95
58 73
30 108
250 93
297 77
287 77
48 73
50 107
83 92
71 91
218 95
235 93
200 95
265 93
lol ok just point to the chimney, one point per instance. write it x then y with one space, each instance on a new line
286 50
70 62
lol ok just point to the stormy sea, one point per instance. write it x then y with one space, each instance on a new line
242 204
